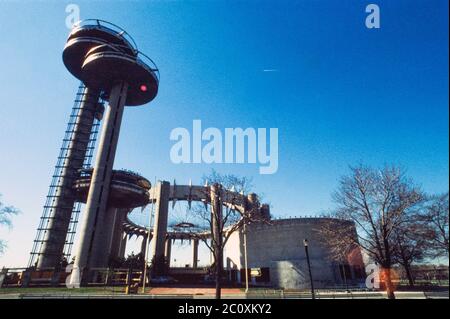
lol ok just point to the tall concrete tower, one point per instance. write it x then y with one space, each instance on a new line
106 60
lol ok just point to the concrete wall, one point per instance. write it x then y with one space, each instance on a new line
279 247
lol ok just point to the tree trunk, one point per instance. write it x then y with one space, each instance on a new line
218 274
218 284
217 233
407 268
406 264
387 269
388 282
218 288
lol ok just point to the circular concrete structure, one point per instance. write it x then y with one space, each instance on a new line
90 33
127 189
104 65
278 252
197 193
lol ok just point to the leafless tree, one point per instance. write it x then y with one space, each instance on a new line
378 202
435 223
410 245
215 222
6 212
239 184
341 240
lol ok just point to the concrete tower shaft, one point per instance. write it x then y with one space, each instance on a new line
96 205
56 230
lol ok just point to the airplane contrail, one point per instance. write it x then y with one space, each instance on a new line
270 70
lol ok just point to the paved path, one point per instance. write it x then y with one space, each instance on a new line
193 291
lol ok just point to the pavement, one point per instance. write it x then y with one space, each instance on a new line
193 291
227 293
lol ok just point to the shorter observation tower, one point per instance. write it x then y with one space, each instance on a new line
127 190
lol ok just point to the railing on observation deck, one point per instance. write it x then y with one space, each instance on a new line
108 26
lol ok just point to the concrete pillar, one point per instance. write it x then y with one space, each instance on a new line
144 245
352 272
116 242
123 245
168 251
52 248
160 228
101 178
265 211
103 236
252 203
228 264
195 253
252 198
211 255
3 274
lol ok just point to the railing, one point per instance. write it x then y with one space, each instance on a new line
139 57
108 46
148 62
109 26
29 277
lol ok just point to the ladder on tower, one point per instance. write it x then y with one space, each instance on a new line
56 179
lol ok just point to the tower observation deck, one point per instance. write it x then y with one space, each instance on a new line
105 58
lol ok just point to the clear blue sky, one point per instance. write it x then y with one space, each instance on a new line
342 94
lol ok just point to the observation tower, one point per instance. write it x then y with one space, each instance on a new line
113 74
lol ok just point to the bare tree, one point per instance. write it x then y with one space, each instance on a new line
378 202
435 223
410 245
341 240
6 212
219 217
239 184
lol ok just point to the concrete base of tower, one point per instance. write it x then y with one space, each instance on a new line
118 243
162 191
103 239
